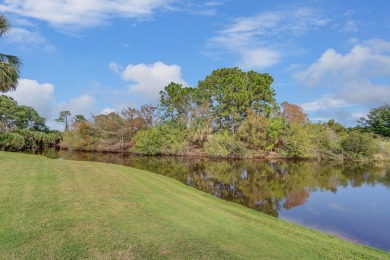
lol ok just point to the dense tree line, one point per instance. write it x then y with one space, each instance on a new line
231 113
21 127
111 132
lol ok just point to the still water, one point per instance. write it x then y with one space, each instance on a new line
351 201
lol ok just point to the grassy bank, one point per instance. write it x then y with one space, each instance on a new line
68 209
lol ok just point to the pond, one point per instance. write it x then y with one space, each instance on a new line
350 201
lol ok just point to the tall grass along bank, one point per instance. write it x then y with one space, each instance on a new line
68 209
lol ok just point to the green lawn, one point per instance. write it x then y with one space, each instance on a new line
70 209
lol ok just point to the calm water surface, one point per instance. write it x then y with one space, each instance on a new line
350 201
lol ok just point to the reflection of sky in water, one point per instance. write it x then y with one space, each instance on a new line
351 213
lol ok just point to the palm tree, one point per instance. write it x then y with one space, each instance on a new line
9 65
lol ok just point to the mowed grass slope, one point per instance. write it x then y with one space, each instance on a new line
70 209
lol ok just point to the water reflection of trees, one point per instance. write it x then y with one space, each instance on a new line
266 186
263 186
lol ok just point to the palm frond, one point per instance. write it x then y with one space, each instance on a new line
5 26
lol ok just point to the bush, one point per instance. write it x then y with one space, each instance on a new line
224 145
163 139
11 141
358 145
82 136
253 131
299 141
327 142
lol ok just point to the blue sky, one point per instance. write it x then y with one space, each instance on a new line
96 56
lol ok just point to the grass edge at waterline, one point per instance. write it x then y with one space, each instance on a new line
70 209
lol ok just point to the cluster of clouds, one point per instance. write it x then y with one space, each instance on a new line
86 13
359 77
28 40
260 40
41 97
147 80
79 14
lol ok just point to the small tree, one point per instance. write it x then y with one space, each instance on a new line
78 119
293 113
377 121
64 117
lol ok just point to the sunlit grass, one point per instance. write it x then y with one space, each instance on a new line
68 209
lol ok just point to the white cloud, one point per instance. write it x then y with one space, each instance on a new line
107 111
115 67
360 76
208 8
349 26
19 35
324 103
258 40
28 40
40 96
36 95
73 14
150 79
81 105
259 58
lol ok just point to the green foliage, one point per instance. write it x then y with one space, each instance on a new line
223 144
254 131
78 118
9 64
298 141
175 104
22 127
24 138
111 132
11 141
327 142
230 92
83 136
358 145
64 117
13 116
231 113
378 121
276 131
199 131
163 139
337 127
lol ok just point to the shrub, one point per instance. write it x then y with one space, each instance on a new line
358 145
224 145
253 131
11 141
299 141
163 139
327 142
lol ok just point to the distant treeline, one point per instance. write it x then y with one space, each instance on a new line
230 113
21 127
